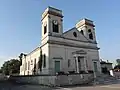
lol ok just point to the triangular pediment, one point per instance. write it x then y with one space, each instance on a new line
74 34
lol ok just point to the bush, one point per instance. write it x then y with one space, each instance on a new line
82 72
71 72
61 73
90 71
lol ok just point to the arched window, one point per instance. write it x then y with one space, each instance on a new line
38 62
89 30
34 70
35 62
55 26
82 32
31 62
45 29
44 62
91 36
75 34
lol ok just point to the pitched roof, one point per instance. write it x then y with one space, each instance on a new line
81 36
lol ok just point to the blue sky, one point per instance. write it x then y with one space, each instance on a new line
20 26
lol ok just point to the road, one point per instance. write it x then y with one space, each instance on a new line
5 85
103 87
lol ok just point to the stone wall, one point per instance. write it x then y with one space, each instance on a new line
52 80
3 77
116 74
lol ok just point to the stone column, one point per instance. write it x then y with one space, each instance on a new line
77 68
85 67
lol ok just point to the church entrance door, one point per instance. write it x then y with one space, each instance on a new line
57 66
80 63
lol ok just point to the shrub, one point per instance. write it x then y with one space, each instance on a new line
61 73
90 71
82 72
71 72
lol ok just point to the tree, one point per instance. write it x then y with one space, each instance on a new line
20 58
118 61
118 64
40 61
117 67
0 71
11 67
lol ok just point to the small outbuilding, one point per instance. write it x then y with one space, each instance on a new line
106 66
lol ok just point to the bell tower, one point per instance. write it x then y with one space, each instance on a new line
52 24
86 27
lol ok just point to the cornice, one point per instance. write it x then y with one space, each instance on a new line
52 13
71 45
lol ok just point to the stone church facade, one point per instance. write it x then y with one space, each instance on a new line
74 50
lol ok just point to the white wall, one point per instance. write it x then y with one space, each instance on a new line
66 53
30 57
73 42
93 56
45 51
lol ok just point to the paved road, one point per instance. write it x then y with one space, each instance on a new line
104 87
5 85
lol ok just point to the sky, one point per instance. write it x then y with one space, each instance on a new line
20 24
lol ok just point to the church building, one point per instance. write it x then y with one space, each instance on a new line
74 50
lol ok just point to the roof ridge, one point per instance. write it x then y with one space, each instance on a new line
69 30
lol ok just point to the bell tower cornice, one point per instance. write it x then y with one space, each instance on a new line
52 11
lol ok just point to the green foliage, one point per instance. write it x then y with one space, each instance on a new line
0 71
40 61
117 66
11 67
20 58
118 61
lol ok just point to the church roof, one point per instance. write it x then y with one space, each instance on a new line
37 48
69 35
103 62
69 30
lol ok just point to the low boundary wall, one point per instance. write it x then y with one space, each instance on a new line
54 80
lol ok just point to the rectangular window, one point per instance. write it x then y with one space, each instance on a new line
45 29
68 62
55 28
